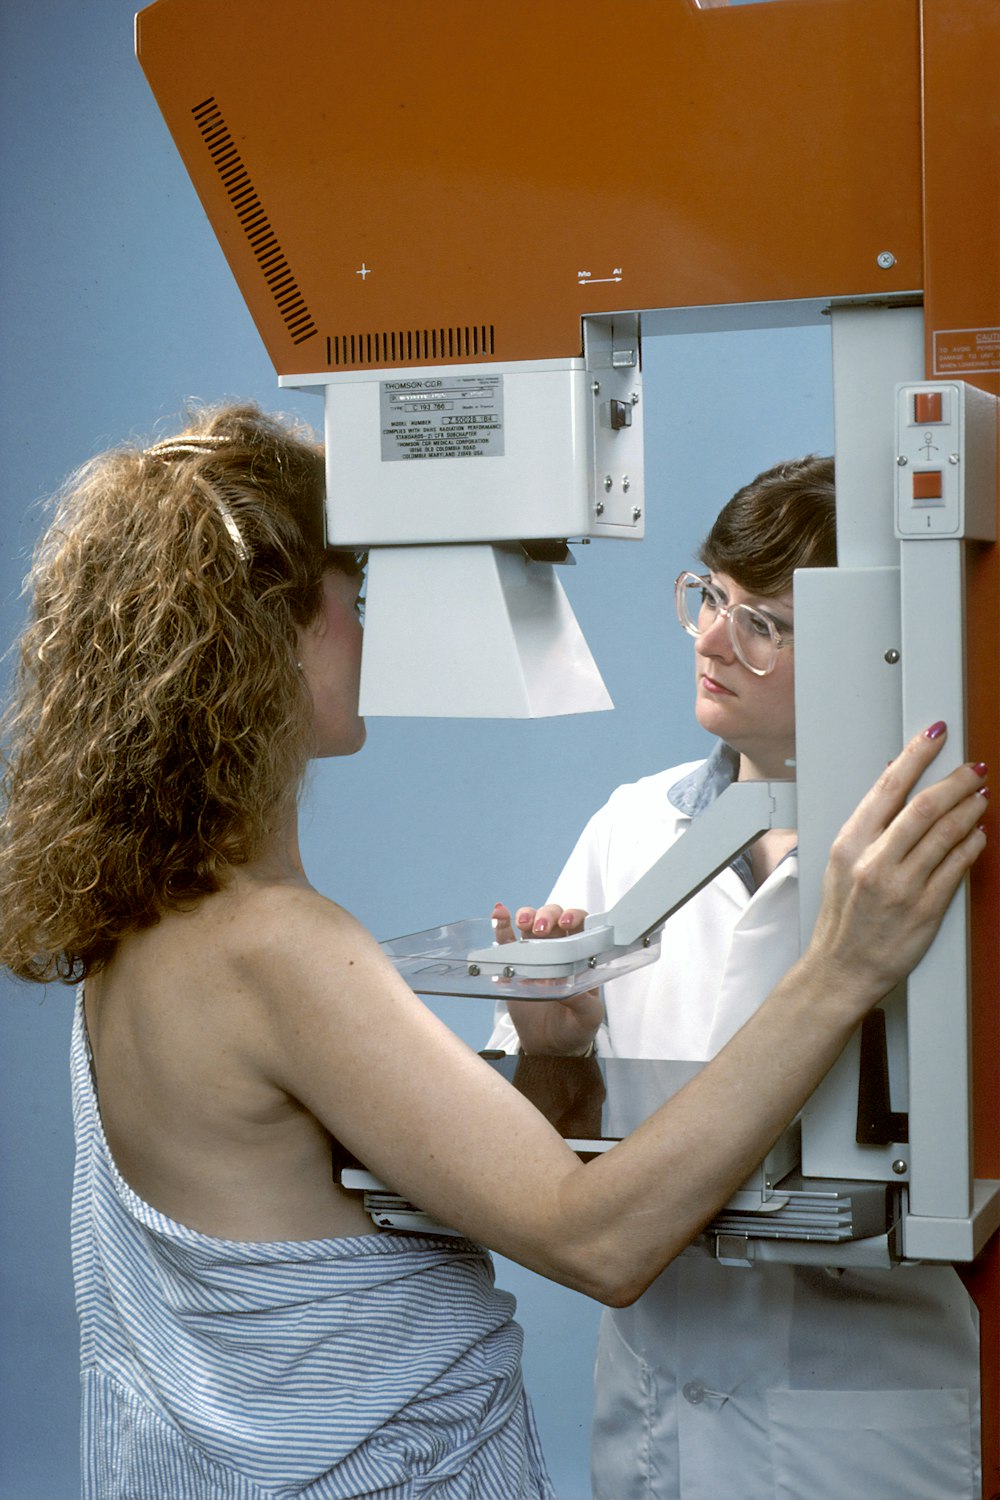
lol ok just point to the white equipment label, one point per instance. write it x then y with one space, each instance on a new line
450 416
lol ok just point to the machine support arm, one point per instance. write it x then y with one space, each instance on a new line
729 825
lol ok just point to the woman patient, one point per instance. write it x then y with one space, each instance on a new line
246 1331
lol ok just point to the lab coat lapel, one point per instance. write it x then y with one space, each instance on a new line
763 946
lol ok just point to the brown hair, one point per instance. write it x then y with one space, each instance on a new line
782 520
158 718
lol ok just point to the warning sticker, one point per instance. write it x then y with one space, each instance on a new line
963 351
450 416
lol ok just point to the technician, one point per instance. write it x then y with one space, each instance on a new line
769 1382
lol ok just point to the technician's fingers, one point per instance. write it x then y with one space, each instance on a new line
529 921
541 923
549 921
503 930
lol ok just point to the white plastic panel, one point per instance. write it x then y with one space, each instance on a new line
472 632
848 692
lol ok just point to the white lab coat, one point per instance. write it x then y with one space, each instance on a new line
772 1382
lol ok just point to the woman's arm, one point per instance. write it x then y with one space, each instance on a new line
346 1037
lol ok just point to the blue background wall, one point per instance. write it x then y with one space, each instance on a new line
117 306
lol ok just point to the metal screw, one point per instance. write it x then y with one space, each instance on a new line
954 458
646 941
595 386
899 1166
599 508
634 398
636 512
474 970
508 972
902 460
892 656
608 482
886 260
592 961
626 483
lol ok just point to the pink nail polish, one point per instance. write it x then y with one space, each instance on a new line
980 767
984 791
936 730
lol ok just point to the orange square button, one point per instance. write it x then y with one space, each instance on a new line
927 407
928 484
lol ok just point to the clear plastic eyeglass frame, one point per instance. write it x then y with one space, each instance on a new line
755 637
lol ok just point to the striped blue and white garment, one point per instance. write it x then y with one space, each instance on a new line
383 1365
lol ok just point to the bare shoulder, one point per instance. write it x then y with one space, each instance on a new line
281 923
297 949
268 911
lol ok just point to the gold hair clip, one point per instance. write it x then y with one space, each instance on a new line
191 443
176 447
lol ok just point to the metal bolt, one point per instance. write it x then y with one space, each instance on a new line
954 458
886 260
899 1166
508 972
608 482
902 460
474 970
892 656
634 398
592 961
636 512
599 508
626 483
595 386
646 941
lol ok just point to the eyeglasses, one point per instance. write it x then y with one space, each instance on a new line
755 637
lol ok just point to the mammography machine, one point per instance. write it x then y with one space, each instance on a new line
458 230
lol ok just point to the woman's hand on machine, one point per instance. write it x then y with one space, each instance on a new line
896 864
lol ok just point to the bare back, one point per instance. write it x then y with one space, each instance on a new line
196 1124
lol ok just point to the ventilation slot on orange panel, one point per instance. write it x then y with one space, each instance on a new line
412 345
254 221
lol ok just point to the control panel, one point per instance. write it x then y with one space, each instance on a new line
946 444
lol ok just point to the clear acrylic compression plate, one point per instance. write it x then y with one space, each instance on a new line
436 962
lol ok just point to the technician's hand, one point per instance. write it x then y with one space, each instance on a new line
554 1028
895 865
543 921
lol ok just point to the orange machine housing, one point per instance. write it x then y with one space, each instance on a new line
395 186
960 56
404 185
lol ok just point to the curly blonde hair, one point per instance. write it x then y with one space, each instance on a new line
158 719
